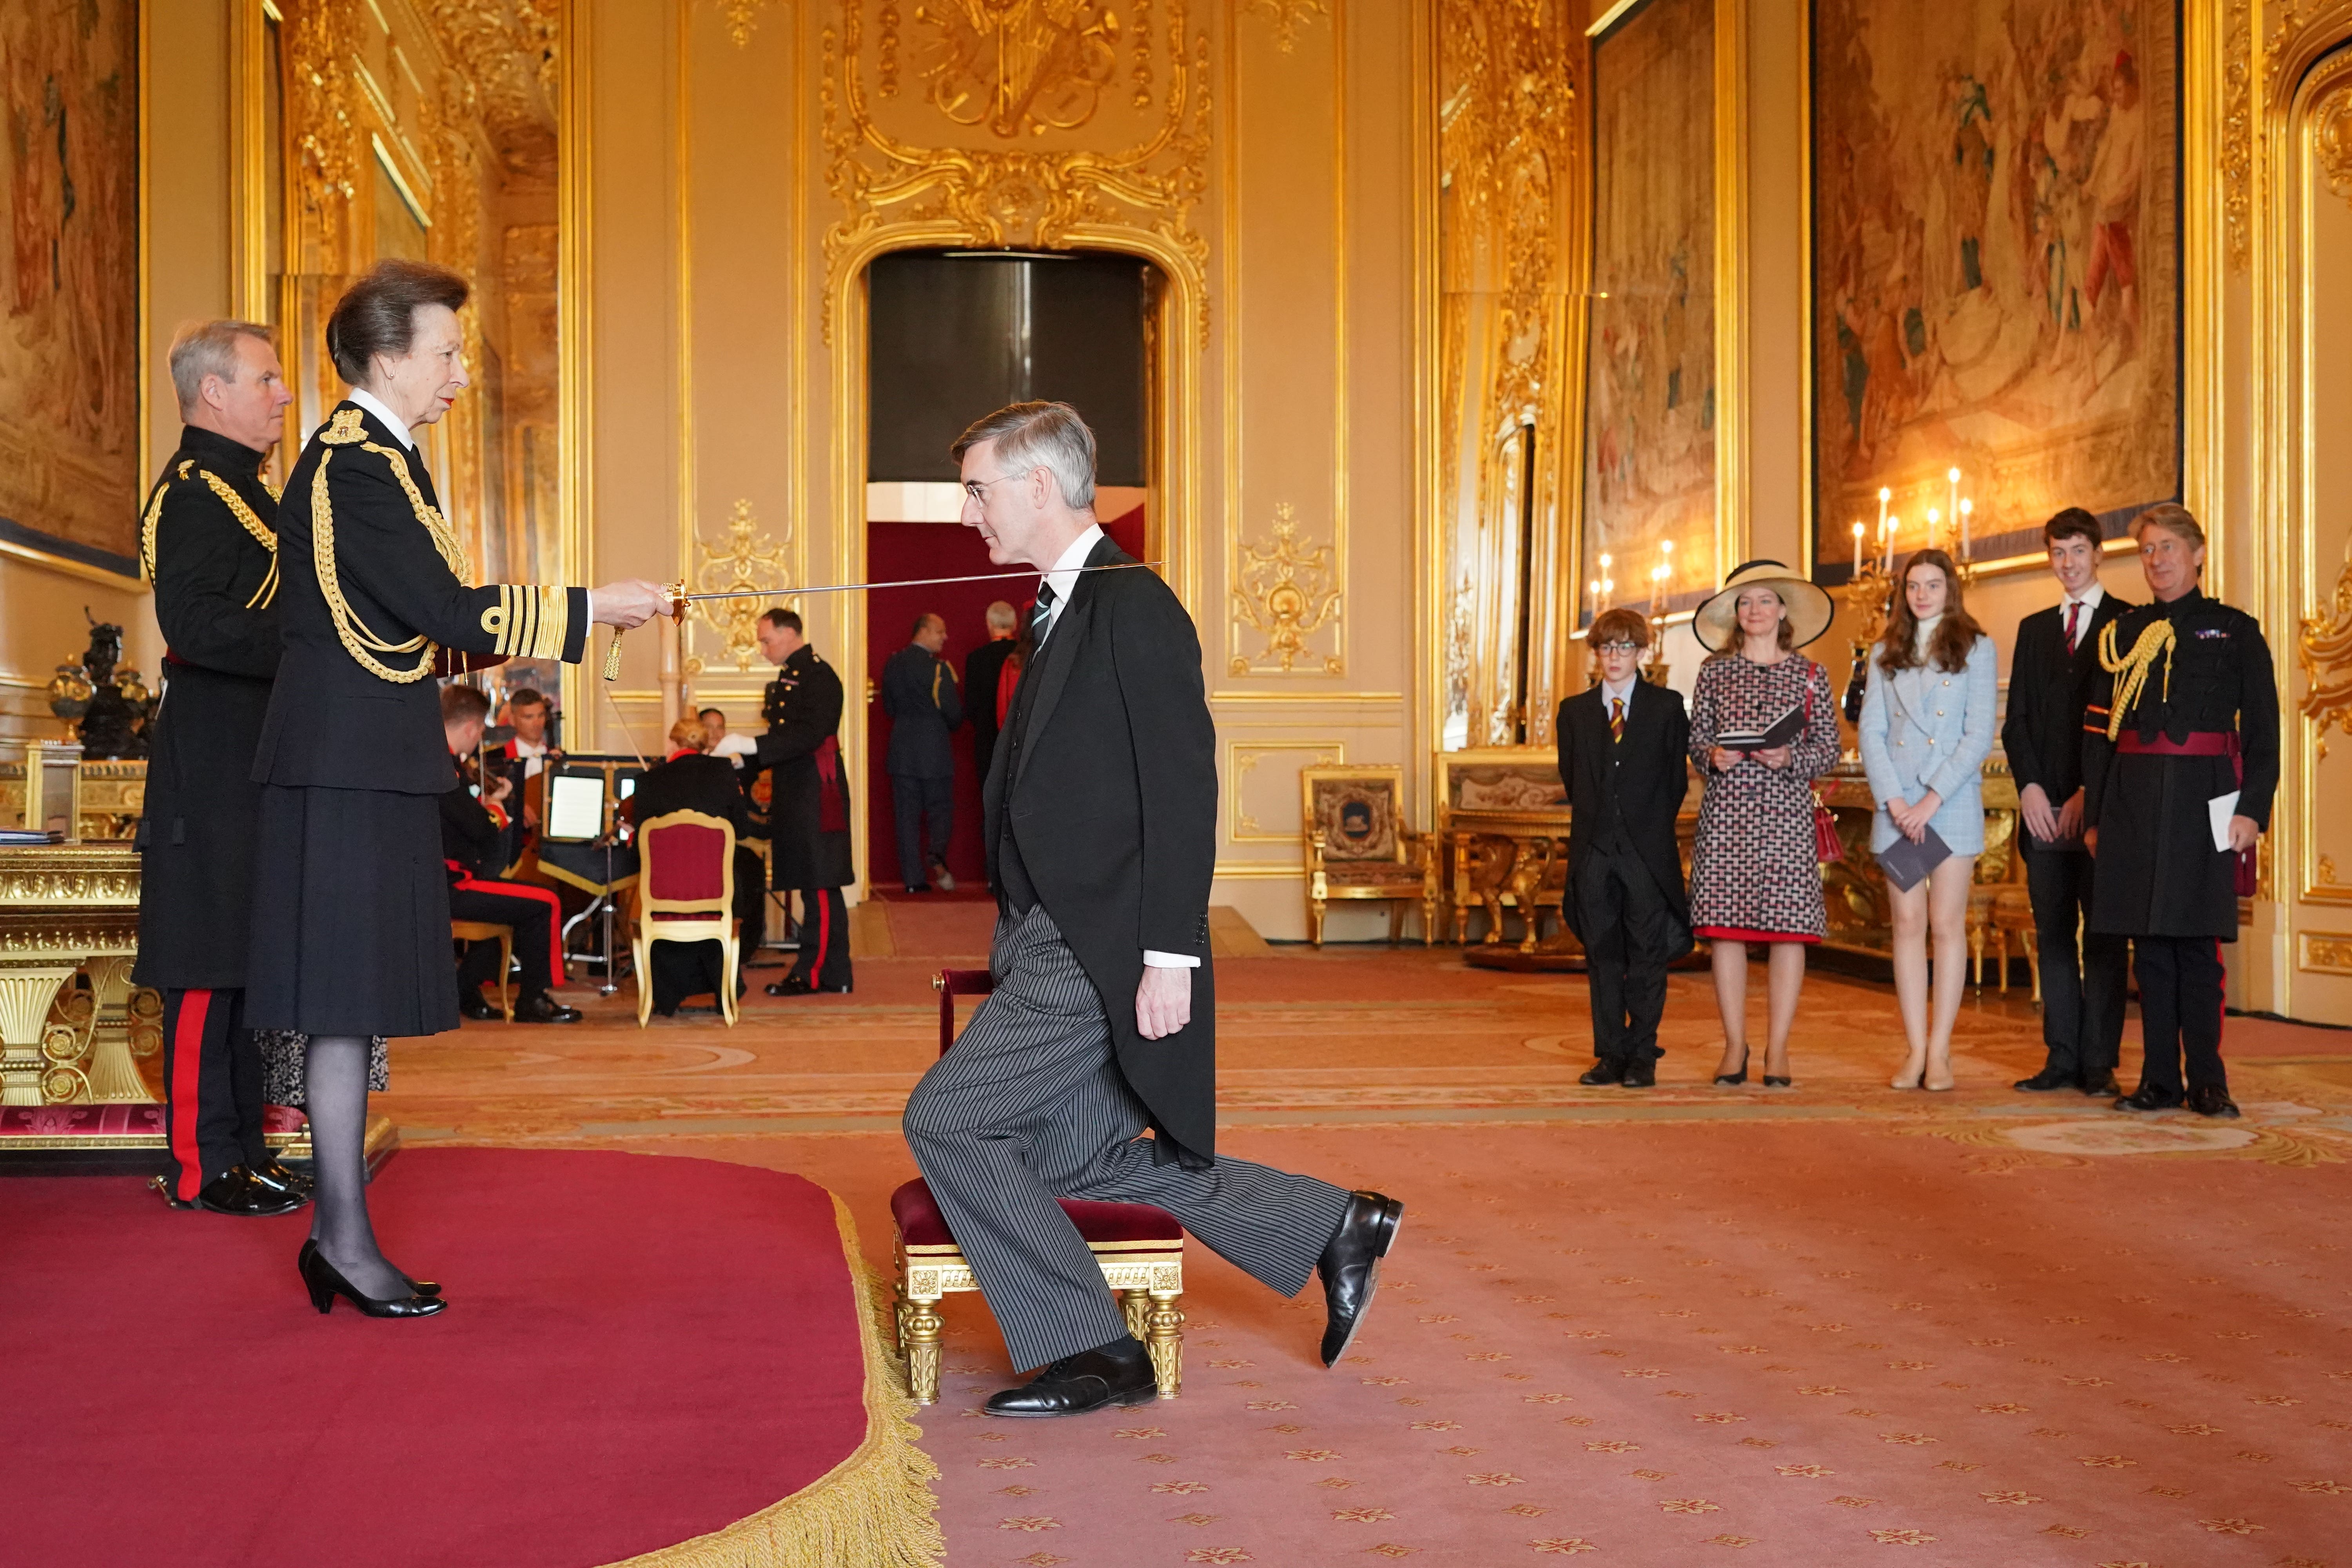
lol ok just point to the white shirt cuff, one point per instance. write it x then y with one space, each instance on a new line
1154 959
590 595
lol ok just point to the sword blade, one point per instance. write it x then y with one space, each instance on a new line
903 583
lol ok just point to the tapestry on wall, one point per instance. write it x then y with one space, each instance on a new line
69 478
1650 394
1996 269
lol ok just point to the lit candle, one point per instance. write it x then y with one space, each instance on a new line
1967 508
1857 544
1933 517
1893 525
1952 495
1885 495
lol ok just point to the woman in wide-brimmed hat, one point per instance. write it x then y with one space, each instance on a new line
1755 866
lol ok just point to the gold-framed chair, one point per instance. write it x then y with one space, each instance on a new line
1138 1247
1359 847
685 892
486 931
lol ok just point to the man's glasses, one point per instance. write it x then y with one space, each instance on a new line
978 489
1616 647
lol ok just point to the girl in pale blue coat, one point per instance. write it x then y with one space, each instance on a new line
1928 724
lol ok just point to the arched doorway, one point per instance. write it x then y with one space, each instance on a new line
952 335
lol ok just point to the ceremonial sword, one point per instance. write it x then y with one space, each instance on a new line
679 598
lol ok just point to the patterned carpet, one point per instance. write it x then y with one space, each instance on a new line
1834 1323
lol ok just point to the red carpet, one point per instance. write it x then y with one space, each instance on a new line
638 1351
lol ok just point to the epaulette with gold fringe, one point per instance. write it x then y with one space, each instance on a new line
345 429
261 533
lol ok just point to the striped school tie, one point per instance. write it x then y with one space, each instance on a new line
1041 615
1616 719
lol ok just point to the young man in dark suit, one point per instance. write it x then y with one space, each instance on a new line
1101 827
1623 746
921 695
2050 677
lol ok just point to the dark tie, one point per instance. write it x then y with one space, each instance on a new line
1616 719
1041 615
2073 611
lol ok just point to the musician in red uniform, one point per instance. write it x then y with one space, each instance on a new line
471 829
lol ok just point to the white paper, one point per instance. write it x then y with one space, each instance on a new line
575 806
2220 809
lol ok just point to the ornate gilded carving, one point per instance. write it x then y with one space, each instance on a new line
1288 16
1286 590
2326 953
2331 142
1139 40
2237 157
2323 646
746 558
320 40
885 67
1511 141
1019 67
742 16
505 51
1048 198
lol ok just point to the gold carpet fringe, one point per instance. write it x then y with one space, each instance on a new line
874 1509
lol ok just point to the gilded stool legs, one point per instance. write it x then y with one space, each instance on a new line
1164 1338
918 1335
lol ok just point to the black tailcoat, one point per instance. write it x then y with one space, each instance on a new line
808 801
2042 736
2159 873
214 568
1105 782
925 704
984 670
1638 783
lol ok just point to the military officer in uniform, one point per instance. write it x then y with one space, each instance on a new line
808 806
350 927
2183 715
210 548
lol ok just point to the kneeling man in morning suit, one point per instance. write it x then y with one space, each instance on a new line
1100 822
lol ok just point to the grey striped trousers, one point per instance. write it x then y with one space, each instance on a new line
1030 1106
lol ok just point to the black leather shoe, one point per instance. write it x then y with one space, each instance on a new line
421 1286
545 1009
800 986
1640 1075
278 1179
474 1005
2147 1097
235 1192
2103 1087
325 1282
2212 1099
919 887
1077 1384
2045 1080
1603 1072
1351 1267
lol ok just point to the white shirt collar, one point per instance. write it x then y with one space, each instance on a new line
1621 693
2089 598
392 422
1064 574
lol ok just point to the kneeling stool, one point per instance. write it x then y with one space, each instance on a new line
1140 1249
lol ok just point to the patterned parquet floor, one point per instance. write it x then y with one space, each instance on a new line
1832 1323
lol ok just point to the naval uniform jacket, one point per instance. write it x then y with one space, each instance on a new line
211 550
2194 666
808 799
1101 804
1635 787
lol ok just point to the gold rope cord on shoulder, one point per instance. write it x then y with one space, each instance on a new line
2130 670
155 515
349 628
251 525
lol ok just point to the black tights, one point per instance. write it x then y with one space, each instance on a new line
335 1080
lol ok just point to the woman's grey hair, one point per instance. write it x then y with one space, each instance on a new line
1039 435
208 348
1003 617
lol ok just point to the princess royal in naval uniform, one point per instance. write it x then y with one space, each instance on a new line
351 918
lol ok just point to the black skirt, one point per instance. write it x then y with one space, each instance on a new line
351 915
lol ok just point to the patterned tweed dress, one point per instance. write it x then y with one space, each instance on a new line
1754 872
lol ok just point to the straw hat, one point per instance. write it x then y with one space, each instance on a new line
1717 622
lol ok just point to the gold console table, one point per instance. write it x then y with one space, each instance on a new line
69 910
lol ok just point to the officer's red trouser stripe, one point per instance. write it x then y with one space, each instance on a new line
536 895
187 1079
823 938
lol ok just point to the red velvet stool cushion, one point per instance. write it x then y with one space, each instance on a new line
919 1224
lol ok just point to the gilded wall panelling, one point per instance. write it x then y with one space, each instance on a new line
1286 593
1254 801
1288 17
745 557
2326 953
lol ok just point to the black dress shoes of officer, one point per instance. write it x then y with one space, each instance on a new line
2212 1099
2148 1097
2103 1087
1090 1380
1351 1267
2048 1078
1603 1072
278 1179
235 1192
325 1282
1641 1074
801 985
474 1005
545 1009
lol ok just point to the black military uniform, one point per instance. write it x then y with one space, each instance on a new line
212 555
688 780
351 933
472 833
808 817
2184 710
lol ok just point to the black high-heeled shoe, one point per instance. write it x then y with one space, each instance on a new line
1734 1080
1772 1081
417 1287
326 1282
